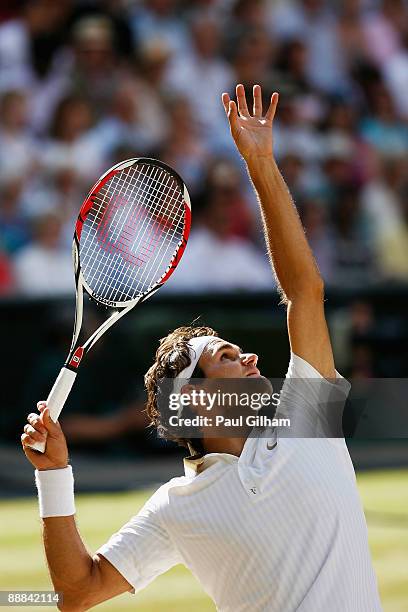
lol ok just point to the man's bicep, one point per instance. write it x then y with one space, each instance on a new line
111 578
107 582
308 334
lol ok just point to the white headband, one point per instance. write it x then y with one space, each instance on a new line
196 348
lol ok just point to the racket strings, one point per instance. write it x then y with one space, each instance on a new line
101 209
131 232
115 286
101 199
143 226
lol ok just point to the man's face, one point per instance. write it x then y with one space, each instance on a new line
222 359
227 369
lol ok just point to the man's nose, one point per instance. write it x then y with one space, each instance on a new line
249 359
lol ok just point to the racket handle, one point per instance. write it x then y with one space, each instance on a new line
56 399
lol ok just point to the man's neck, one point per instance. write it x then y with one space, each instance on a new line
232 446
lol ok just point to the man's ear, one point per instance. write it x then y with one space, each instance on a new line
187 389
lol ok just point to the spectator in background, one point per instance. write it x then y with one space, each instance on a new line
381 29
384 200
18 152
14 226
204 64
33 56
296 133
59 191
93 429
351 33
338 177
252 55
247 14
339 130
217 260
96 70
29 44
308 105
354 260
183 148
393 249
296 176
395 73
224 177
362 327
151 66
44 268
71 144
115 12
126 124
158 19
382 128
319 232
313 21
292 66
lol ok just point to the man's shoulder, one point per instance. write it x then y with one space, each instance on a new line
161 497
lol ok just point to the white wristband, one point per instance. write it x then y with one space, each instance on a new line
55 492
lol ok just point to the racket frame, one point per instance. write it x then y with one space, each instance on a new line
77 352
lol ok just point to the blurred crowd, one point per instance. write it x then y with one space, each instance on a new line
86 84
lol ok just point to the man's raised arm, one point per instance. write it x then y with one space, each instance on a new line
83 580
291 257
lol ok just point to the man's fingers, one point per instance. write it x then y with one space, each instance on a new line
230 109
41 405
27 440
34 434
233 114
225 101
52 428
272 107
24 439
241 99
257 93
35 420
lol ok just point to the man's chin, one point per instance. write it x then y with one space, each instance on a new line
248 385
259 384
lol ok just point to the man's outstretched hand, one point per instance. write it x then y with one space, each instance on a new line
252 133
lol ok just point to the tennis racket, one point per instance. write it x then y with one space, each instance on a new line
130 235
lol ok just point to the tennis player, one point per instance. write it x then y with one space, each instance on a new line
266 524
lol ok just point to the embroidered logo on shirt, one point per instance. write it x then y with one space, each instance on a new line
270 446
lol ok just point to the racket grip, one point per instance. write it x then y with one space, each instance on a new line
56 399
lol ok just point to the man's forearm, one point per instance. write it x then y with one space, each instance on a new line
69 562
290 253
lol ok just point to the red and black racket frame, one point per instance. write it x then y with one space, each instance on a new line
78 351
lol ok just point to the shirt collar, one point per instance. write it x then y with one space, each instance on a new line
196 465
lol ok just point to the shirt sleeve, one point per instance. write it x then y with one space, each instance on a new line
313 403
142 549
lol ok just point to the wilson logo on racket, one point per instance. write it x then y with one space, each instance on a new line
118 231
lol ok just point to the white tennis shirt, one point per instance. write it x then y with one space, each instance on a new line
278 529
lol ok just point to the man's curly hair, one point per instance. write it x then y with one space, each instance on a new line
171 358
